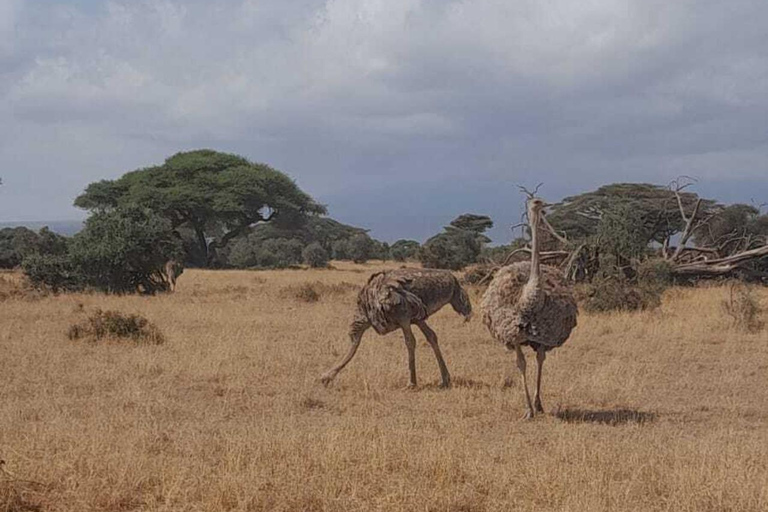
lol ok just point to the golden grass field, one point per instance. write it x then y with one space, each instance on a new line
660 410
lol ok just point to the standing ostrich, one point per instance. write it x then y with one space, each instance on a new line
171 271
530 304
395 299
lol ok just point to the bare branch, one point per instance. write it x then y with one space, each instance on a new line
690 227
559 237
528 193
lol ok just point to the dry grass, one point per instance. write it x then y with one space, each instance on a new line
743 307
658 410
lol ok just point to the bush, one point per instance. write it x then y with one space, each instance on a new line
360 248
404 249
743 308
124 251
115 325
379 250
454 250
55 273
655 272
16 244
118 251
340 250
251 252
617 294
315 256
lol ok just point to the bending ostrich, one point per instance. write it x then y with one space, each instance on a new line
395 299
530 304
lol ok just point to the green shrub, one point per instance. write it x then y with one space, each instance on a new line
452 251
251 252
361 248
404 249
56 273
315 256
18 243
340 250
119 251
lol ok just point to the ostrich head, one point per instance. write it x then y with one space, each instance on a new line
535 208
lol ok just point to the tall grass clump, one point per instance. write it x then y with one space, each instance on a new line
743 307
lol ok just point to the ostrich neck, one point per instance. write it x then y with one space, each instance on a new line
533 280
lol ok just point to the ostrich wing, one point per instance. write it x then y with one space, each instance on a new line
388 302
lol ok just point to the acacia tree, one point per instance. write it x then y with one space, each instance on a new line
459 245
657 209
215 196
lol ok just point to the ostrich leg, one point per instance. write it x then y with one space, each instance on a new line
541 355
356 330
410 344
521 366
445 377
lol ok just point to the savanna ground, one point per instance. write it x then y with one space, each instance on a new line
659 410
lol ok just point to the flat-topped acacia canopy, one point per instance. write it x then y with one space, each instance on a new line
218 196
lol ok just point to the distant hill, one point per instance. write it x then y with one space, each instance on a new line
62 227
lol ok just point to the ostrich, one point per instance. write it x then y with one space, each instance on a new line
171 271
395 299
530 304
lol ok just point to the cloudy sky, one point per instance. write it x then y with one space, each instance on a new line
398 114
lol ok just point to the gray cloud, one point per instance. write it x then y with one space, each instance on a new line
400 114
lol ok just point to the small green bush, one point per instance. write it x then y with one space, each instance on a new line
361 248
315 256
404 249
52 272
251 252
340 250
115 325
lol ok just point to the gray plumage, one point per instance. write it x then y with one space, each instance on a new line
530 304
395 299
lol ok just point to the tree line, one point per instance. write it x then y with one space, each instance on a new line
216 210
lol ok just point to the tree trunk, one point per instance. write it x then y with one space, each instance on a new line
202 244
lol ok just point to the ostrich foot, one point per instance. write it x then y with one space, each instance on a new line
538 407
445 385
528 415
